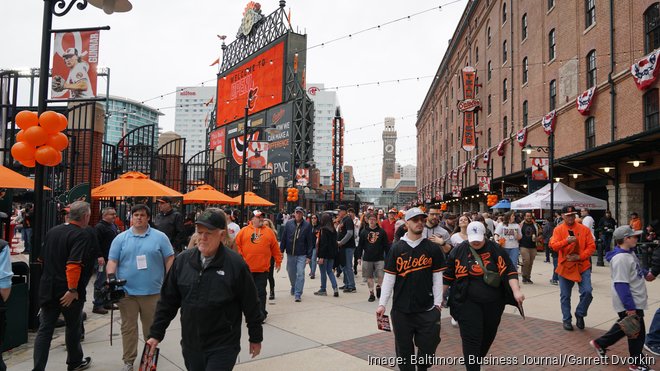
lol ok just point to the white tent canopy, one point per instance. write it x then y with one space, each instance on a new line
563 196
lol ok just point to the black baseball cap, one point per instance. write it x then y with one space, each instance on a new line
568 210
165 199
212 220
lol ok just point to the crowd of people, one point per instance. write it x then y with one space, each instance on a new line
423 260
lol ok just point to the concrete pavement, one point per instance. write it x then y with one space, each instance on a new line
324 333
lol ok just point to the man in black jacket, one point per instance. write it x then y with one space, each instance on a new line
106 231
370 253
212 285
170 222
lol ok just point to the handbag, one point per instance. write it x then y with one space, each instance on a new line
491 279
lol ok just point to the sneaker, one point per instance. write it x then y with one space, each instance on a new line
639 368
554 282
336 294
350 291
378 292
298 300
84 365
342 287
372 298
579 322
601 352
321 293
272 296
530 281
99 310
454 322
525 281
653 350
567 326
127 367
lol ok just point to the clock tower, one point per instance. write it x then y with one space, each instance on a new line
389 151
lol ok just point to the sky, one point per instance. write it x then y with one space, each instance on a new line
162 44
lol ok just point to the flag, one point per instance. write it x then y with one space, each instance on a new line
215 62
521 137
487 156
549 121
583 101
501 148
645 71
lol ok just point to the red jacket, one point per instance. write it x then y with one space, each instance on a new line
585 247
389 229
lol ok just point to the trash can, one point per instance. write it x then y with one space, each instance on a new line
17 308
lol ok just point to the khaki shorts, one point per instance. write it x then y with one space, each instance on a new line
368 269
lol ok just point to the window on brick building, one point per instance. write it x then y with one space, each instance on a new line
651 108
551 45
590 133
504 52
490 104
652 28
553 94
591 69
504 13
589 13
505 128
490 70
523 25
489 138
525 114
488 35
551 4
525 69
476 55
505 91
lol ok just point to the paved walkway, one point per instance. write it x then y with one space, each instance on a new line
327 333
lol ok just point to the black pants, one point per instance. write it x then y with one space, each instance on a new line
47 318
615 334
220 359
271 277
261 280
420 329
478 324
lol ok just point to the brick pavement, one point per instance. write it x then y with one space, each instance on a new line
516 337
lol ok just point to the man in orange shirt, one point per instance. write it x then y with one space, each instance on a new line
575 245
635 222
257 244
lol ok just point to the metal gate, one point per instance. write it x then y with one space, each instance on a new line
206 167
135 150
169 165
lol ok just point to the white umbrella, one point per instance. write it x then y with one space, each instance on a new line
563 196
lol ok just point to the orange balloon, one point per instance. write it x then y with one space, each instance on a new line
35 136
29 163
51 122
64 122
59 141
22 151
26 119
19 135
47 156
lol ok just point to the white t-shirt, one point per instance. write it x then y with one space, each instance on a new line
509 232
233 229
437 230
588 222
79 73
456 239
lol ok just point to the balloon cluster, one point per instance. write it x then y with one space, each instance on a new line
40 139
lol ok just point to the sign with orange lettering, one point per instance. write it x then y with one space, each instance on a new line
262 75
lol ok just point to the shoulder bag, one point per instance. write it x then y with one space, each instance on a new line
492 279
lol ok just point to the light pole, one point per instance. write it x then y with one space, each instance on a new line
58 8
550 150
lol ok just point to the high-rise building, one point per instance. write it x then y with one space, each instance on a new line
325 103
389 151
125 115
192 114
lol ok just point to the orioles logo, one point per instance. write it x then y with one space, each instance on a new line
412 264
373 237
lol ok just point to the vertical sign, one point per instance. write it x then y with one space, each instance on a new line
75 58
467 106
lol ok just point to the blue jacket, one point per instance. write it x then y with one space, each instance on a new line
304 242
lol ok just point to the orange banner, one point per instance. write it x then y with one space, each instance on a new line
263 73
468 139
75 58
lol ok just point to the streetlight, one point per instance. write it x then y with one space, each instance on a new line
550 150
58 8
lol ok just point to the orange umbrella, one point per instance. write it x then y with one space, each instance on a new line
133 183
11 179
205 194
252 199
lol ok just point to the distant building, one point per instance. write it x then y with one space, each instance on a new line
349 178
325 103
389 152
124 115
192 115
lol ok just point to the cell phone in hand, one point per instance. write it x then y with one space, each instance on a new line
570 233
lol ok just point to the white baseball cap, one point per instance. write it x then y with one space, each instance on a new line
257 213
476 231
415 211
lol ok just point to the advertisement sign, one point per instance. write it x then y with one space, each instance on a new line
217 140
540 168
455 191
257 155
236 145
468 106
262 75
279 121
302 177
484 184
75 58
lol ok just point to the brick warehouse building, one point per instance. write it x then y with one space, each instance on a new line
533 57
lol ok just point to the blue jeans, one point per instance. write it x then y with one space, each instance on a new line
349 276
555 259
27 239
513 255
326 271
295 267
653 336
98 286
312 263
565 288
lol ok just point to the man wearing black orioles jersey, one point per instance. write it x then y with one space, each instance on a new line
371 250
413 273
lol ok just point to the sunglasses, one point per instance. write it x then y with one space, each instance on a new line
417 219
